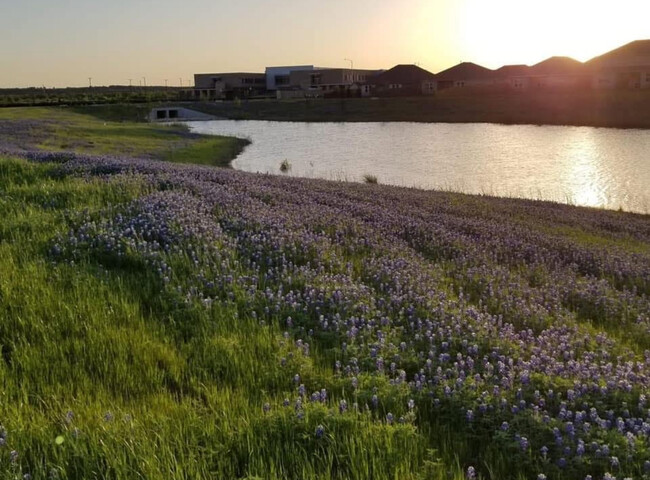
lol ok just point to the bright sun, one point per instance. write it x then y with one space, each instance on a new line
515 31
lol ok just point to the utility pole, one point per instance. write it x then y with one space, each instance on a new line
165 83
130 82
90 82
180 80
144 79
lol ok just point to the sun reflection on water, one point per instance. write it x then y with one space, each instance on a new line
583 173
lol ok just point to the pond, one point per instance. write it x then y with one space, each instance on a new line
598 167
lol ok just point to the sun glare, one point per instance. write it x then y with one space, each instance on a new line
509 31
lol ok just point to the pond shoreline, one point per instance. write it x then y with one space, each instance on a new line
614 109
574 165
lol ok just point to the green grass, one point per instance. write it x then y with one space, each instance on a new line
154 389
63 129
107 374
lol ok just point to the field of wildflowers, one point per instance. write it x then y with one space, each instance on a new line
177 321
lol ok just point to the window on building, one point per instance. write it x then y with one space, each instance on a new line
282 80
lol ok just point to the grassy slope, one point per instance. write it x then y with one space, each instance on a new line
60 129
158 390
105 377
154 390
626 109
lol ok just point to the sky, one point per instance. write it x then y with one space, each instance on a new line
64 42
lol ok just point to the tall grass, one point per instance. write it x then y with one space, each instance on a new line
169 322
104 375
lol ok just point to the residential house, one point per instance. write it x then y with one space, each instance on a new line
403 80
625 67
512 76
558 72
465 74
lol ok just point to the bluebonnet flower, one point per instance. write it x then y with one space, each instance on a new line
471 473
523 443
544 451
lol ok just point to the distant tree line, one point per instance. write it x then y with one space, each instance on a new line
22 97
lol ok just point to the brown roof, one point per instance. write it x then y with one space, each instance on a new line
557 66
637 48
465 71
512 71
403 74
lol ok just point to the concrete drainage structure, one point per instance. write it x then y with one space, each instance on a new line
171 114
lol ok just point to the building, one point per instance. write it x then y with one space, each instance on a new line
332 81
559 72
404 80
512 76
227 86
465 74
625 67
279 77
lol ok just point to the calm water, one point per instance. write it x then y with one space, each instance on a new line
598 167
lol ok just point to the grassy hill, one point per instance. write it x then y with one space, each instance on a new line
179 321
58 129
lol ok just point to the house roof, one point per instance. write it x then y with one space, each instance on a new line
512 71
557 66
465 71
635 53
637 48
404 74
